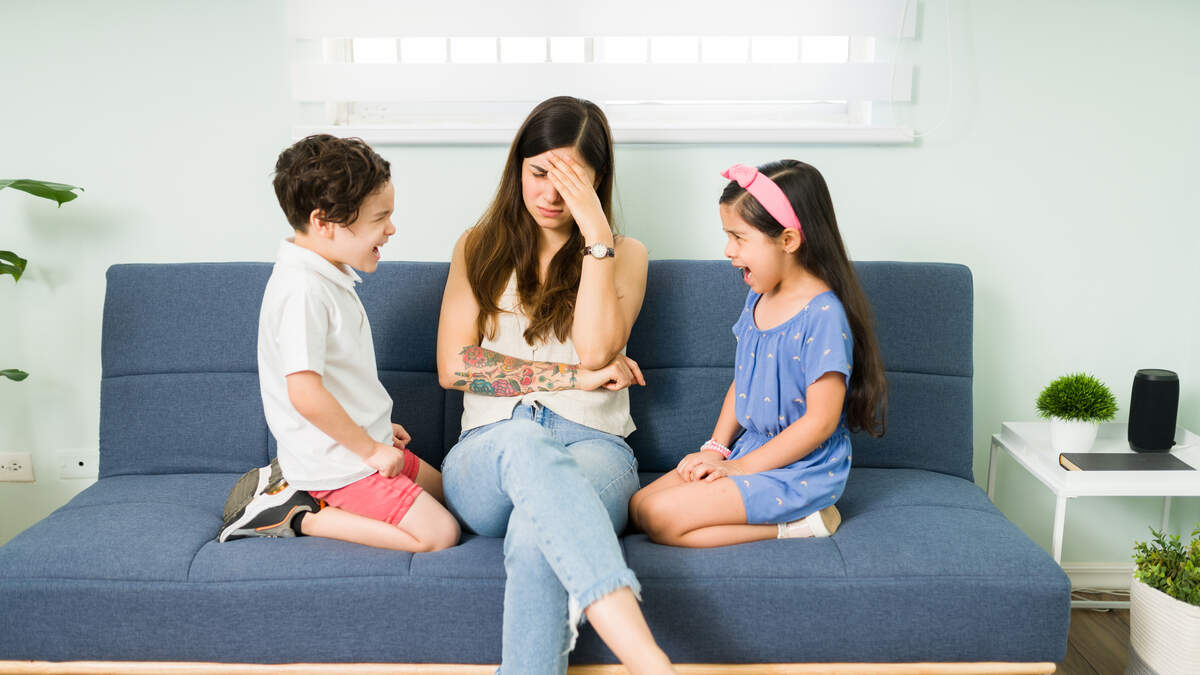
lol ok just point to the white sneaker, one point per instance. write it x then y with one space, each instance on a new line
818 524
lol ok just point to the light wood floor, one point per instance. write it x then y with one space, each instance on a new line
1098 643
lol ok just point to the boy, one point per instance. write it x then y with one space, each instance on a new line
343 470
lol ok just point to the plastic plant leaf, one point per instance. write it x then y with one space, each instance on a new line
11 263
14 374
58 192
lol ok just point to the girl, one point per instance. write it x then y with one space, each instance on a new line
538 307
807 372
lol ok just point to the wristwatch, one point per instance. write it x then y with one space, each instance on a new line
599 251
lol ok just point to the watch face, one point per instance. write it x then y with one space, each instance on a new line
599 250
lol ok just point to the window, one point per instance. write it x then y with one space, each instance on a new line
698 71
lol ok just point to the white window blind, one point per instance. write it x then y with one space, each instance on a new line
700 71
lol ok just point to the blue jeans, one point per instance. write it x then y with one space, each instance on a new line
558 492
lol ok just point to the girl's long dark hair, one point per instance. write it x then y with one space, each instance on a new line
823 254
505 240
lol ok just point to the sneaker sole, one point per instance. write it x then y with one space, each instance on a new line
257 481
281 529
237 529
829 518
249 484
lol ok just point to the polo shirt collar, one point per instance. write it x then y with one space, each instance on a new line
298 256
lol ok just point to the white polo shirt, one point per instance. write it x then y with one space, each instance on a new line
312 319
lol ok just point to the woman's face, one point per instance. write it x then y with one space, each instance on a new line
542 200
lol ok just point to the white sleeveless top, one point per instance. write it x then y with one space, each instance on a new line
604 410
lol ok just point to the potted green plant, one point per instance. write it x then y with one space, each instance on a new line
1076 404
13 264
1164 604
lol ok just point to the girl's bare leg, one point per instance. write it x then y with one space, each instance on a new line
669 479
700 514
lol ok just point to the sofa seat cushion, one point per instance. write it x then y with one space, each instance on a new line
301 559
201 491
918 556
133 561
117 542
906 577
123 528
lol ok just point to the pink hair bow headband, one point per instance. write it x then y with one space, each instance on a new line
767 193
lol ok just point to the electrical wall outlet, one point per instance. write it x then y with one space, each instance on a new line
16 467
78 463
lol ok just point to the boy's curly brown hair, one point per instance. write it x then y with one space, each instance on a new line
327 173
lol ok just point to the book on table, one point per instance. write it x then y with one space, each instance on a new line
1122 461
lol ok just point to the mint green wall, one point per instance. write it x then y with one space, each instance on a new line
1064 178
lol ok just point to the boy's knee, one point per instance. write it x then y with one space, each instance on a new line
447 535
438 539
431 524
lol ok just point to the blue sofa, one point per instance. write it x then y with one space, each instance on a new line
923 569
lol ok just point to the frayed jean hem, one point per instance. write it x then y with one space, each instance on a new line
577 604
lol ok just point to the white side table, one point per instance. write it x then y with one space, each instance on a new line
1029 444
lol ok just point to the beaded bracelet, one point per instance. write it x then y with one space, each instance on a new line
710 444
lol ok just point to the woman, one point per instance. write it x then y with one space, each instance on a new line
537 311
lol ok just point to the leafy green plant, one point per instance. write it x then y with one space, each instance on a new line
13 264
1078 397
1167 565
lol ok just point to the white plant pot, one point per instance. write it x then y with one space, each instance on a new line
1164 632
1072 436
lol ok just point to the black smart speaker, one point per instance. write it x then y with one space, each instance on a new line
1152 410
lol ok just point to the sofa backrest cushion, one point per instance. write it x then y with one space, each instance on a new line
180 392
180 388
923 313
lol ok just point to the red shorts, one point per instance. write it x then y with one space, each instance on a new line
386 499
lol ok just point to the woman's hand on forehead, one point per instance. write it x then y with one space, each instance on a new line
580 170
575 183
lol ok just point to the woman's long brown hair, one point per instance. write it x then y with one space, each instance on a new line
505 240
824 255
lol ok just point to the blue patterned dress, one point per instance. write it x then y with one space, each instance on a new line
774 370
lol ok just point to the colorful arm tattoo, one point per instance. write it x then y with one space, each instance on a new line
491 374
